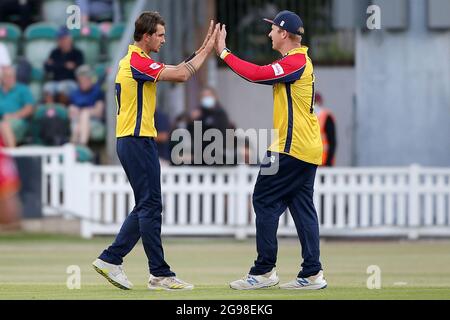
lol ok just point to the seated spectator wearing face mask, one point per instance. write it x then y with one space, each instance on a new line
212 116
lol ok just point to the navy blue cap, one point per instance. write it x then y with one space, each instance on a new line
289 21
62 32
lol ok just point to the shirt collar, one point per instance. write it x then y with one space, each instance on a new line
302 49
133 48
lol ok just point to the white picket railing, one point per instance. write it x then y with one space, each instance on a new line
412 201
56 162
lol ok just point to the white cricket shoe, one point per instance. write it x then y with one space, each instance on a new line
315 282
168 283
113 273
251 282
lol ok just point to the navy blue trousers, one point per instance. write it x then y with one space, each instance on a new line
139 158
291 187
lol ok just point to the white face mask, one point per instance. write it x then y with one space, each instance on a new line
208 102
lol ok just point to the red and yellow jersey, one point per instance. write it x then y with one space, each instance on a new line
292 78
9 179
136 94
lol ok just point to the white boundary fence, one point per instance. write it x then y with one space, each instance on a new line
408 201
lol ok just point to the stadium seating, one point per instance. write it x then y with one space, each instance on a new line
37 78
88 40
84 154
40 40
55 11
41 111
114 37
98 131
128 6
10 35
60 111
100 69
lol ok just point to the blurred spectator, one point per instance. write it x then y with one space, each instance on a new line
328 131
182 120
99 11
5 59
60 69
9 187
24 71
20 12
212 116
16 105
162 124
86 106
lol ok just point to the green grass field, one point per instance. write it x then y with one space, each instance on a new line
34 267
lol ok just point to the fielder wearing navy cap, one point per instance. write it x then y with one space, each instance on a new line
295 154
289 21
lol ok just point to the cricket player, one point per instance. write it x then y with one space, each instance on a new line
136 102
297 152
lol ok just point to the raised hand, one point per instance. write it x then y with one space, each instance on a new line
208 36
212 40
221 40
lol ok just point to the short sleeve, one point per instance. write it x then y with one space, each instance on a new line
145 69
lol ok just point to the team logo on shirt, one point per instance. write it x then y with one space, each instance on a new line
155 66
278 69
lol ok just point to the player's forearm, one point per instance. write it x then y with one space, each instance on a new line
194 64
25 112
185 70
249 71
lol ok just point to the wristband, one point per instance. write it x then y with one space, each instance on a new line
224 53
190 58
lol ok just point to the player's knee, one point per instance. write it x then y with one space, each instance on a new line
150 205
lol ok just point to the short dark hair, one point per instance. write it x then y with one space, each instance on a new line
147 23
